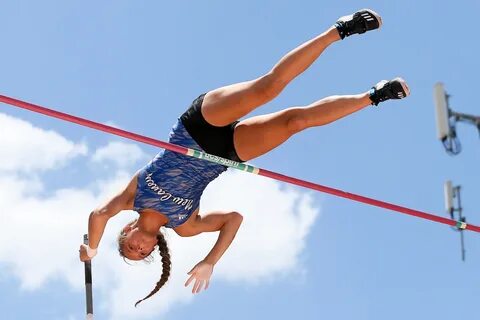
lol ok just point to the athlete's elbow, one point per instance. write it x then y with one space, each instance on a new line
99 214
236 217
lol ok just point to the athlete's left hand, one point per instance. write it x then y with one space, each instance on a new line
201 273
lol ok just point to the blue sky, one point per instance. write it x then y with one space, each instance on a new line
139 64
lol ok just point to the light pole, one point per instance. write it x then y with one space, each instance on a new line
452 193
447 119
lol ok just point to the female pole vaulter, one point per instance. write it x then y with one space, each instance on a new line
167 191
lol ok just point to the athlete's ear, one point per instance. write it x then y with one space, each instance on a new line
127 229
130 226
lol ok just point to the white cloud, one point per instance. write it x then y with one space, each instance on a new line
27 148
44 233
122 154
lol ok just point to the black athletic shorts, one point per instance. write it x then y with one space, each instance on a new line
214 140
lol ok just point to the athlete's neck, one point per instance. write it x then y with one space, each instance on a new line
150 221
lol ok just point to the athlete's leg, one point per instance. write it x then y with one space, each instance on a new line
227 104
257 135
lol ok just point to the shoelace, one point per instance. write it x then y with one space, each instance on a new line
358 24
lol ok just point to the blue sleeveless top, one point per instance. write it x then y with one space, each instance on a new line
172 183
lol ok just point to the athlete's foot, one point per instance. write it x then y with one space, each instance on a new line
386 90
360 22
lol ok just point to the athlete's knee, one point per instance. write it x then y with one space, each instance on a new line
296 120
270 85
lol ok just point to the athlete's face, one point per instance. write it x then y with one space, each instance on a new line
137 244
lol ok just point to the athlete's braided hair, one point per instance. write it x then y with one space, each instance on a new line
163 248
164 253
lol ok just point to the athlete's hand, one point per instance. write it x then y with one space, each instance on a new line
201 273
83 253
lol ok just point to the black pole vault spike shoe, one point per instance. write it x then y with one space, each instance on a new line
386 90
360 22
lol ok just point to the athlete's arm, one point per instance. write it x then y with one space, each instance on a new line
99 217
228 225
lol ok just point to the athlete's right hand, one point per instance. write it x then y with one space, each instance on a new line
201 273
83 253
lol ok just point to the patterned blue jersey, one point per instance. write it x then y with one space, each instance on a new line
172 183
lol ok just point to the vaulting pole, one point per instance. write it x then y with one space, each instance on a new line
234 164
88 284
